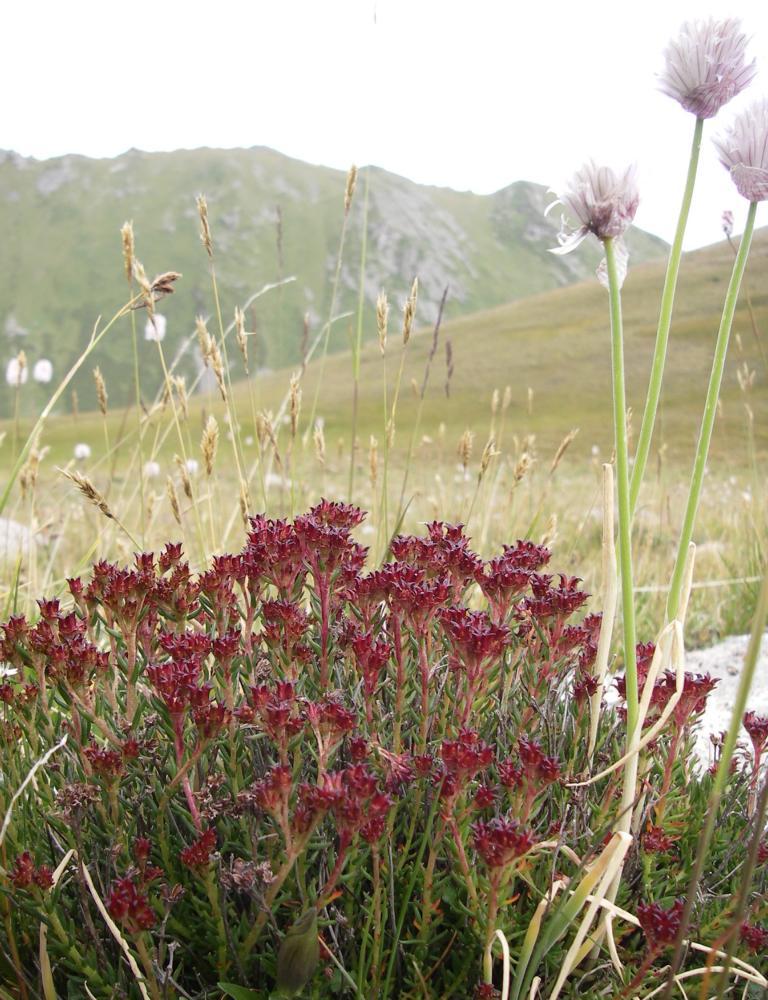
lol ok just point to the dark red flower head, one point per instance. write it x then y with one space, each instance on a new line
198 854
499 841
660 926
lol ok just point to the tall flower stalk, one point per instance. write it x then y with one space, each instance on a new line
665 322
708 419
622 482
704 68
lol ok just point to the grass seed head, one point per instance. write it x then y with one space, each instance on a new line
186 482
464 449
101 391
409 311
173 498
349 189
129 248
382 317
209 444
205 229
318 438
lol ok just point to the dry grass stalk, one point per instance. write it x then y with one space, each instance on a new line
203 340
373 460
294 393
349 190
506 401
101 391
550 532
75 404
209 444
245 502
173 497
495 402
464 448
151 291
382 317
129 248
89 491
266 433
29 471
205 229
240 336
522 468
21 362
180 385
489 452
318 438
530 401
211 354
415 388
409 311
746 377
186 482
448 365
563 447
304 341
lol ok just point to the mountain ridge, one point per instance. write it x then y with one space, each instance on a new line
272 216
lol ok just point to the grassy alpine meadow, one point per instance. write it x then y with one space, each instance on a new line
367 678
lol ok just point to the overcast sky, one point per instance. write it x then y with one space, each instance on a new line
470 94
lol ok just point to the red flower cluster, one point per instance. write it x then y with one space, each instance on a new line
128 905
655 841
660 926
757 728
108 764
25 873
500 841
754 937
198 854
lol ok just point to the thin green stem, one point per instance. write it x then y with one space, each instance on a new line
622 478
665 321
710 411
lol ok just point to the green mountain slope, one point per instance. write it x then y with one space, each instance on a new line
558 345
272 217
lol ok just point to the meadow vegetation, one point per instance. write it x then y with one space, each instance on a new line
256 741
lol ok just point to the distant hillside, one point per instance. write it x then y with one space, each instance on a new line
272 216
558 344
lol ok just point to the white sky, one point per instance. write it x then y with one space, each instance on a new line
471 94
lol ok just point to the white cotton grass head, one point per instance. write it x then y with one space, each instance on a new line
743 150
82 451
192 466
598 200
42 371
155 327
151 469
705 65
16 371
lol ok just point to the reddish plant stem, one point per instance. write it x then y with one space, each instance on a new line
178 745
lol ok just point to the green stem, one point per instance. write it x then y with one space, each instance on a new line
665 321
710 410
622 478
